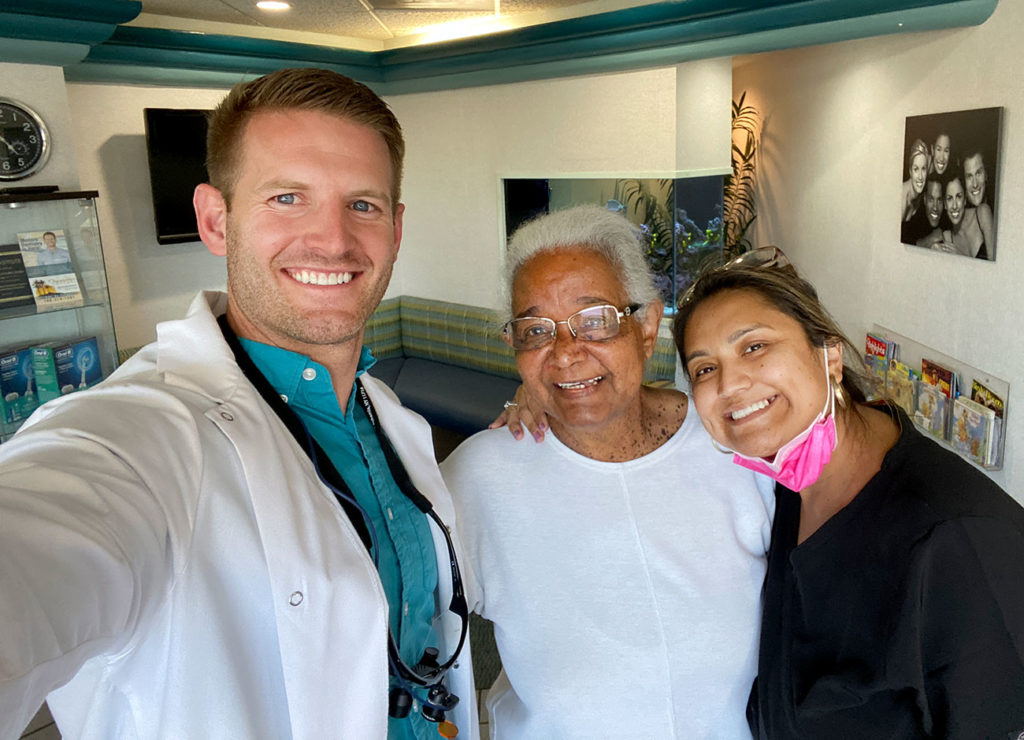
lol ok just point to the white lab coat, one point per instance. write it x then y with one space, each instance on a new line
171 567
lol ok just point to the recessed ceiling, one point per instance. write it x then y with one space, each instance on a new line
216 43
346 23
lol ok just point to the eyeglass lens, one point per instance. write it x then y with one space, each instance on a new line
592 324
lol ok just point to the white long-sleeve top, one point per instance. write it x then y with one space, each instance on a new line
625 596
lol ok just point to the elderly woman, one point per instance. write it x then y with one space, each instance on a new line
621 560
893 605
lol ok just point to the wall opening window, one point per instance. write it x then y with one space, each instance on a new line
680 219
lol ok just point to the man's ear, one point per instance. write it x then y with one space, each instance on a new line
211 217
397 226
649 325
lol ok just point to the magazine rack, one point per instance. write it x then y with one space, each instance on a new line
911 353
26 319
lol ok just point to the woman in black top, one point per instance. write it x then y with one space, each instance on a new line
894 600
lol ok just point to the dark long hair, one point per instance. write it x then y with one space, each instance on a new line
783 289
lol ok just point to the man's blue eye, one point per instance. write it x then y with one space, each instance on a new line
362 205
287 199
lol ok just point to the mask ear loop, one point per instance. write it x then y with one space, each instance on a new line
831 385
834 388
720 449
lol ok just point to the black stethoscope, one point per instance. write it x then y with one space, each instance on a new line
427 675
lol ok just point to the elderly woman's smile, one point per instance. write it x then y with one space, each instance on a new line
587 386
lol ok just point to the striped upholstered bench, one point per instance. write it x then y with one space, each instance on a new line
447 361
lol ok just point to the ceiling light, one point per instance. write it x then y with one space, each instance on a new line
486 6
272 5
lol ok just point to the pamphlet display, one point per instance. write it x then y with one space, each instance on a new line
958 404
53 298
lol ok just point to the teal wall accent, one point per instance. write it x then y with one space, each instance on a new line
652 35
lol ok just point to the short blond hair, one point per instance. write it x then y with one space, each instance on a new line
304 88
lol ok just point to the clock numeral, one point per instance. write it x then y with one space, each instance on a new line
6 165
32 139
27 126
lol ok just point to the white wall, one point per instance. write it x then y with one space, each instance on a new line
461 143
830 187
148 282
42 89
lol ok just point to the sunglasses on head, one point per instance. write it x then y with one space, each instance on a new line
757 258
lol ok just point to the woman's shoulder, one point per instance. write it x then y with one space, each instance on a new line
945 485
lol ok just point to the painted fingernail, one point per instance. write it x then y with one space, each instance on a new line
518 434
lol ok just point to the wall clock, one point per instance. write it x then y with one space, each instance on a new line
24 140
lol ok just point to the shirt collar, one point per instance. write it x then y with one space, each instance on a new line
296 377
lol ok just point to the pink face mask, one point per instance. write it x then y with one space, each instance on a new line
799 462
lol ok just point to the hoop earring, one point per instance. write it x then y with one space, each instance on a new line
839 393
721 449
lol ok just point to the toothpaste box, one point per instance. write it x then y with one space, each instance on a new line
17 385
64 367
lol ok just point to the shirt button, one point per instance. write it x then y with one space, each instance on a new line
308 374
226 416
284 398
391 516
295 599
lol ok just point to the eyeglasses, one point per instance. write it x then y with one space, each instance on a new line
761 257
592 324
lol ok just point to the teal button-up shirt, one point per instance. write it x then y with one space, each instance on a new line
405 554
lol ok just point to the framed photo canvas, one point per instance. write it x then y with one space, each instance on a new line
950 184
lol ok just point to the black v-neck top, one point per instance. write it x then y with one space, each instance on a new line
903 615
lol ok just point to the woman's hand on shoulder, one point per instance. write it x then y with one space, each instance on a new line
522 413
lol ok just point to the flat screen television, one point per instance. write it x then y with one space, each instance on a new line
176 146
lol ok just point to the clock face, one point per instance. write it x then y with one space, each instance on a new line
24 141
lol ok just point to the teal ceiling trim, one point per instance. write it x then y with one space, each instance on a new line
564 40
129 74
680 21
111 12
166 49
31 51
654 35
126 38
919 20
90 22
44 28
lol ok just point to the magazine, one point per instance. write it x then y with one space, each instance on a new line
932 407
49 269
940 376
972 429
983 395
901 386
14 288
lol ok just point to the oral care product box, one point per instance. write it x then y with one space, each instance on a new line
17 386
65 367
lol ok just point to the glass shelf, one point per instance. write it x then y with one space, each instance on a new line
24 220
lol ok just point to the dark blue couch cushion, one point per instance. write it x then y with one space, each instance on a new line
450 396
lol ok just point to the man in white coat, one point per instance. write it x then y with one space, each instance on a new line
175 557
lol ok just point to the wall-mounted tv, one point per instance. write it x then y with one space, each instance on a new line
176 145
